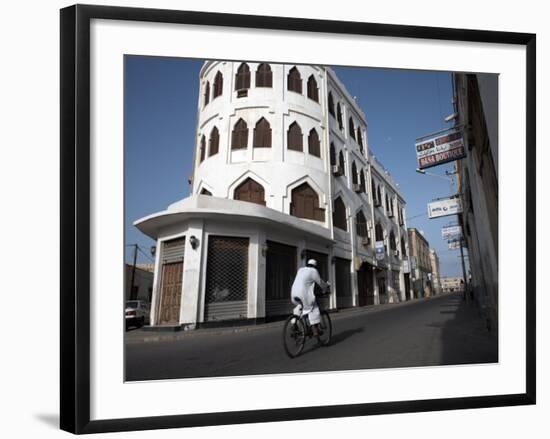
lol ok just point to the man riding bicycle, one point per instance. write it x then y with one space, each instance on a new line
303 296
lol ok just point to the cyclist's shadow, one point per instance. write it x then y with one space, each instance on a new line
341 336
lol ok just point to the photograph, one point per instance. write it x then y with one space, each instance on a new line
297 218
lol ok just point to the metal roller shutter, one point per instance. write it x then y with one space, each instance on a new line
226 278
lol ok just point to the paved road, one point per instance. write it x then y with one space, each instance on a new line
436 331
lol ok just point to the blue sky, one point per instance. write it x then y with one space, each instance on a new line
160 115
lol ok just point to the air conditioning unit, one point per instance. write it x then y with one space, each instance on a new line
356 187
337 170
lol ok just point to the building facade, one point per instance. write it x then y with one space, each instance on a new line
282 173
477 109
421 264
434 262
142 278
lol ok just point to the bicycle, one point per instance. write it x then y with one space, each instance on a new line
297 329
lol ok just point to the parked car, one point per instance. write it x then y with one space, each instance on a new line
136 313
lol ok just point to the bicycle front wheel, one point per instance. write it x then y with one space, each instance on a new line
325 328
294 336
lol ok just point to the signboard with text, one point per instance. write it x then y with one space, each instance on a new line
440 149
379 250
451 232
454 245
447 206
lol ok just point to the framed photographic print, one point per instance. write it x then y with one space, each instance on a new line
268 218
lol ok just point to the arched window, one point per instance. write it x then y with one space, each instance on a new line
262 134
361 224
373 191
342 163
294 80
242 80
354 177
305 203
362 181
294 138
264 76
206 93
351 128
339 214
403 248
239 138
218 85
313 144
378 196
379 232
251 191
205 192
332 154
393 242
387 203
339 116
312 90
214 142
331 104
202 150
360 138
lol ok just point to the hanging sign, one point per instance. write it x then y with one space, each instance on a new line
451 232
447 206
440 149
454 245
379 250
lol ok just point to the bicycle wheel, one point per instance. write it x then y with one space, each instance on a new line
326 329
294 336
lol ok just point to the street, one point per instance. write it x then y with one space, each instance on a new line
442 330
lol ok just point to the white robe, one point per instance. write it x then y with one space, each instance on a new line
303 289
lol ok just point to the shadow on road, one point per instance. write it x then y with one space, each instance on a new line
341 336
465 338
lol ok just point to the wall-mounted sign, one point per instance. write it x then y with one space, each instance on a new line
406 266
454 245
451 232
379 250
440 149
448 206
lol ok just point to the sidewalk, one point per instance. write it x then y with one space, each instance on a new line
143 336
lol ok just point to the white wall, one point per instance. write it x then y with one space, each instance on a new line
30 72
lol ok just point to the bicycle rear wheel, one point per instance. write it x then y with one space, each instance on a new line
326 329
294 336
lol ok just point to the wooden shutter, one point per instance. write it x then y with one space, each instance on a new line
250 191
305 203
353 173
264 76
314 146
295 137
239 138
262 134
214 142
339 214
312 90
330 104
218 85
242 80
294 81
332 154
206 93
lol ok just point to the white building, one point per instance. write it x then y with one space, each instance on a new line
282 173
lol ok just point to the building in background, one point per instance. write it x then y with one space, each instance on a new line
142 288
452 284
476 98
436 281
421 265
282 173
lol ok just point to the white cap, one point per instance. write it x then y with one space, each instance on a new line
312 262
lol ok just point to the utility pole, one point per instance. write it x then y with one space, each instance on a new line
132 295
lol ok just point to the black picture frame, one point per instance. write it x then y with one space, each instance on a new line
75 217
